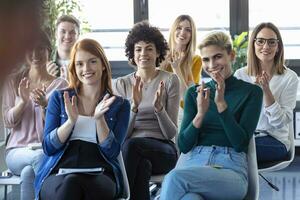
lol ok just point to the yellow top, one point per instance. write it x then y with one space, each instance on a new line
196 71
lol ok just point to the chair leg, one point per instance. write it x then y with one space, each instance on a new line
5 192
154 189
269 183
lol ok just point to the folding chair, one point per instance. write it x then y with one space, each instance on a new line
253 182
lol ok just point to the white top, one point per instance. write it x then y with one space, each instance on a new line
275 118
85 129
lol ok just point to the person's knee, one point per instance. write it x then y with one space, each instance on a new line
71 187
71 179
173 177
131 144
146 167
37 161
192 196
27 174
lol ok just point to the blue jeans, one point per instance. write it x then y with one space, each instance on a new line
24 162
270 149
207 172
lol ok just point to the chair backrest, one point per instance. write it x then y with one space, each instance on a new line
283 164
253 181
126 193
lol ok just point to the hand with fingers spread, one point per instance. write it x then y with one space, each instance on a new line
71 107
263 80
39 96
157 102
24 90
63 72
52 68
103 106
220 90
137 92
176 59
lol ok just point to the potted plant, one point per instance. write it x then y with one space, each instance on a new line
240 46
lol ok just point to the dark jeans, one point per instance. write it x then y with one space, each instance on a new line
270 149
144 157
78 187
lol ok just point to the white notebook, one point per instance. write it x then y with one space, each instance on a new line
63 171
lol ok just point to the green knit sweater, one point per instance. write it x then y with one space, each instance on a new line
233 127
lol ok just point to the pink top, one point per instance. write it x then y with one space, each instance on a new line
29 127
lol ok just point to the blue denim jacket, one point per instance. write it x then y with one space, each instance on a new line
117 118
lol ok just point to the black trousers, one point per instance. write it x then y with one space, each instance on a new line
144 157
78 187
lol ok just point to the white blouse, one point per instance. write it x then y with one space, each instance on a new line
275 118
85 129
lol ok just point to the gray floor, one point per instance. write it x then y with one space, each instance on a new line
287 180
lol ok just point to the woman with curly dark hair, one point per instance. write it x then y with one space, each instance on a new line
154 97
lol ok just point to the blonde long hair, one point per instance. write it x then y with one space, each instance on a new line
186 64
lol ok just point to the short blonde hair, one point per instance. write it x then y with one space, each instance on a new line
217 38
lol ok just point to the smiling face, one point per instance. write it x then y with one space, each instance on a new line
67 34
265 52
88 67
216 59
183 33
38 56
145 55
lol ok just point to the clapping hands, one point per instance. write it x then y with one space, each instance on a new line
202 99
176 59
24 90
157 102
263 80
103 106
39 96
71 107
220 88
137 92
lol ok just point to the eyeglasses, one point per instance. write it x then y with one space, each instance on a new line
271 42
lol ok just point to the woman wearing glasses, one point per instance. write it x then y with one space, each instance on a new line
279 84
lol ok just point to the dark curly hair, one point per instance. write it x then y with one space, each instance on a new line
143 31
